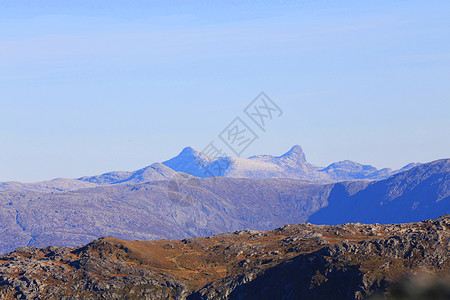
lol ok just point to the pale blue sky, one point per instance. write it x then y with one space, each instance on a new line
93 86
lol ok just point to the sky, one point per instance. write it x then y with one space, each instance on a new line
88 87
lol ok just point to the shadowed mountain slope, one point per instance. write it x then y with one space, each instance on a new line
421 192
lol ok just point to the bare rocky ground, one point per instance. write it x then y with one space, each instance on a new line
350 261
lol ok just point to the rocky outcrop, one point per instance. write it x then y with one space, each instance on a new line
350 261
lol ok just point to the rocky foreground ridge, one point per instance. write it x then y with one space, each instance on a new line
350 261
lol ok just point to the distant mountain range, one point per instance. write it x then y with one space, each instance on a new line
292 164
175 199
413 195
155 210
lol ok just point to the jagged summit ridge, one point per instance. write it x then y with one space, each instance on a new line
292 164
191 162
295 153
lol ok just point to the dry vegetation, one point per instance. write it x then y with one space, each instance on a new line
243 264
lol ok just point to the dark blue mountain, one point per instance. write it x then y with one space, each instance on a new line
422 192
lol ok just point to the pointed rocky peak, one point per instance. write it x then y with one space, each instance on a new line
189 161
189 151
189 154
296 153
